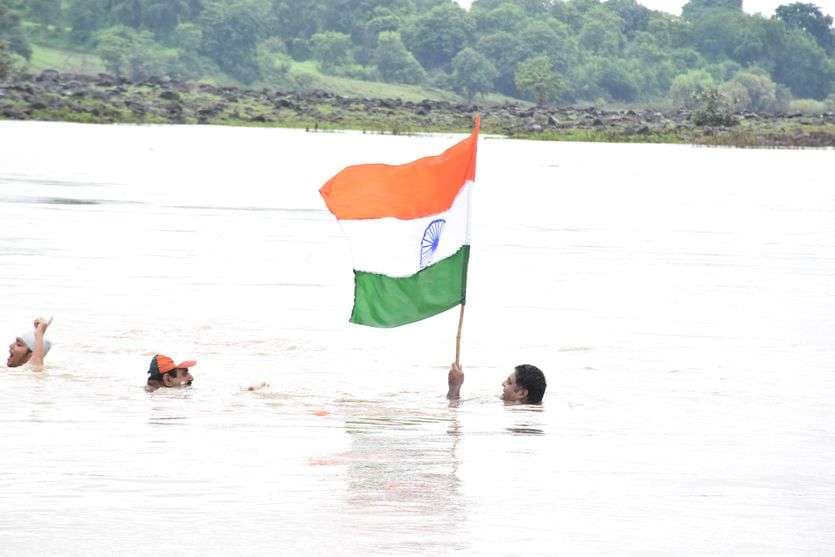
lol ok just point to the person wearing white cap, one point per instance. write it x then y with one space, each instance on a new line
31 347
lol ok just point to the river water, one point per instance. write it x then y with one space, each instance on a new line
680 300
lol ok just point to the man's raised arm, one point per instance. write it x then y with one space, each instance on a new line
39 351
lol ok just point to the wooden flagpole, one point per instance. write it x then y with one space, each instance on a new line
458 338
477 125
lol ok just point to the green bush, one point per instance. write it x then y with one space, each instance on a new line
710 109
331 50
618 81
472 73
808 107
536 78
274 64
5 60
784 98
356 71
688 86
439 79
396 64
132 54
735 96
761 89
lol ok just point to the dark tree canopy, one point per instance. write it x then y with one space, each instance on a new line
231 32
11 30
694 8
45 11
437 36
809 18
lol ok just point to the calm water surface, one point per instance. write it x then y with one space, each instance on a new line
680 300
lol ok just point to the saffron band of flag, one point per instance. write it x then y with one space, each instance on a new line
409 229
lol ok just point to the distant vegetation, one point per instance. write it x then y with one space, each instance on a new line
714 57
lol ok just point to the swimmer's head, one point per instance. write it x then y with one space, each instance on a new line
163 372
20 351
526 384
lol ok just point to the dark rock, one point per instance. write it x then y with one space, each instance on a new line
56 103
14 114
286 103
170 96
101 95
210 111
180 86
48 76
157 81
22 88
106 80
136 107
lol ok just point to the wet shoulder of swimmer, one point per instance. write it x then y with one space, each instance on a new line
31 347
163 373
525 385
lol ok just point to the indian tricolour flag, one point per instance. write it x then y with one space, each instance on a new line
409 229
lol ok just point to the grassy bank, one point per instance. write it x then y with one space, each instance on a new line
49 58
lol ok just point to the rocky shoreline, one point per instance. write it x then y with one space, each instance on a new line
103 98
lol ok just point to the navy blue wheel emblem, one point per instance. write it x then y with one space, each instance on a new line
430 241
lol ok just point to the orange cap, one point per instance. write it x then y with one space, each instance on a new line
163 364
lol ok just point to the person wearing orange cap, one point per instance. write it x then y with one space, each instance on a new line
163 372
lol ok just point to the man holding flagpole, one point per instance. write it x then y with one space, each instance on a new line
526 385
409 229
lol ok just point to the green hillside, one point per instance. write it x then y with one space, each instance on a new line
74 61
47 58
348 87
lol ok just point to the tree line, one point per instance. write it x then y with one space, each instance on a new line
548 51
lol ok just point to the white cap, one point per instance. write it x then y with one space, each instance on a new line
29 340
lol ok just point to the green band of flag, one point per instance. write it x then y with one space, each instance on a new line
384 301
